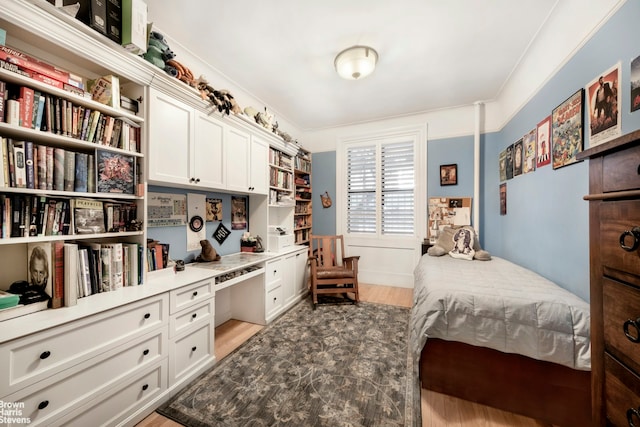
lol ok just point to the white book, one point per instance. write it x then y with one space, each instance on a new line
20 165
3 147
105 257
85 275
70 274
116 265
13 112
133 263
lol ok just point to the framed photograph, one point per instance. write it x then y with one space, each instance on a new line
508 162
543 145
115 172
529 144
518 157
635 84
502 164
503 198
449 174
603 99
567 138
39 266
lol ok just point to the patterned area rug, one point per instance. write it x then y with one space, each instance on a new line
338 365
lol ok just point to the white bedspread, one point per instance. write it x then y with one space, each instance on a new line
499 305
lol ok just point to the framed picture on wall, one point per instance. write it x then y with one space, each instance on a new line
543 131
449 174
503 198
567 138
603 100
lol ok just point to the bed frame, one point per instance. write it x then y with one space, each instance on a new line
542 390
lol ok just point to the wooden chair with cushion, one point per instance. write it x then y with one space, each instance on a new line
331 271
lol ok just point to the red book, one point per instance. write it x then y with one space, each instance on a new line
26 108
57 299
23 60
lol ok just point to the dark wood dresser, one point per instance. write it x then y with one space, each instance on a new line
614 252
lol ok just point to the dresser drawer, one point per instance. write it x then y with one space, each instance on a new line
622 392
191 317
611 230
621 170
120 402
27 360
621 305
189 351
60 393
274 300
273 270
187 296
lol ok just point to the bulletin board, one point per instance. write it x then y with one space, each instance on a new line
447 211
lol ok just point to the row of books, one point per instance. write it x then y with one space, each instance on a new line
29 108
280 179
25 164
279 158
157 255
34 216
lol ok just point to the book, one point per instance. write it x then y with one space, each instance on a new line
41 222
29 166
34 109
98 16
91 174
85 124
40 112
22 310
41 166
115 172
114 20
85 275
116 272
70 274
105 90
20 166
50 217
57 177
26 109
133 263
39 266
88 216
57 297
13 112
105 256
33 220
23 60
3 88
12 163
81 177
93 125
4 165
5 162
69 170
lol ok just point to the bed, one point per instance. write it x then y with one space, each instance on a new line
498 334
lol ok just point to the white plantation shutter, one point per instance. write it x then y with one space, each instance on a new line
380 188
361 189
398 183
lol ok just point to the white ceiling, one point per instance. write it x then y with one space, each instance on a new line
434 54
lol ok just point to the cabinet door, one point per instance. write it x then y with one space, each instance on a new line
259 166
237 153
208 152
302 272
289 290
170 128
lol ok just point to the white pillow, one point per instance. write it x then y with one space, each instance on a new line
463 242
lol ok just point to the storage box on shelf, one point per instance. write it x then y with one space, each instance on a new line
303 214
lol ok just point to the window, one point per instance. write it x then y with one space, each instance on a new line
381 178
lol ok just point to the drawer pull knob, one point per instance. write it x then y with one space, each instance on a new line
145 387
147 315
193 348
194 315
634 338
145 352
633 413
195 294
43 404
45 354
635 235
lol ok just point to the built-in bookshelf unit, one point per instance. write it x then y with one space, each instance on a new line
281 200
303 211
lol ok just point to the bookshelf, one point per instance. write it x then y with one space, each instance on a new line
303 218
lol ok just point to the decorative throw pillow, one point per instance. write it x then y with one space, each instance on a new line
463 241
436 250
482 255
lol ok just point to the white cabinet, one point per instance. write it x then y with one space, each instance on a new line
301 277
238 159
259 170
186 147
285 282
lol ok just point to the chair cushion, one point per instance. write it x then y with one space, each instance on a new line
334 273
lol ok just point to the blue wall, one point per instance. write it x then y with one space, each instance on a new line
323 178
177 236
546 226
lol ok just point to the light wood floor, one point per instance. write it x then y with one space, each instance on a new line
438 410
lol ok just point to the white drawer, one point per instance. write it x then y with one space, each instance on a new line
120 402
62 392
33 358
274 300
189 295
189 351
273 270
191 317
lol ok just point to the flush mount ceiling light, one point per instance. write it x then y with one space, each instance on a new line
356 62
